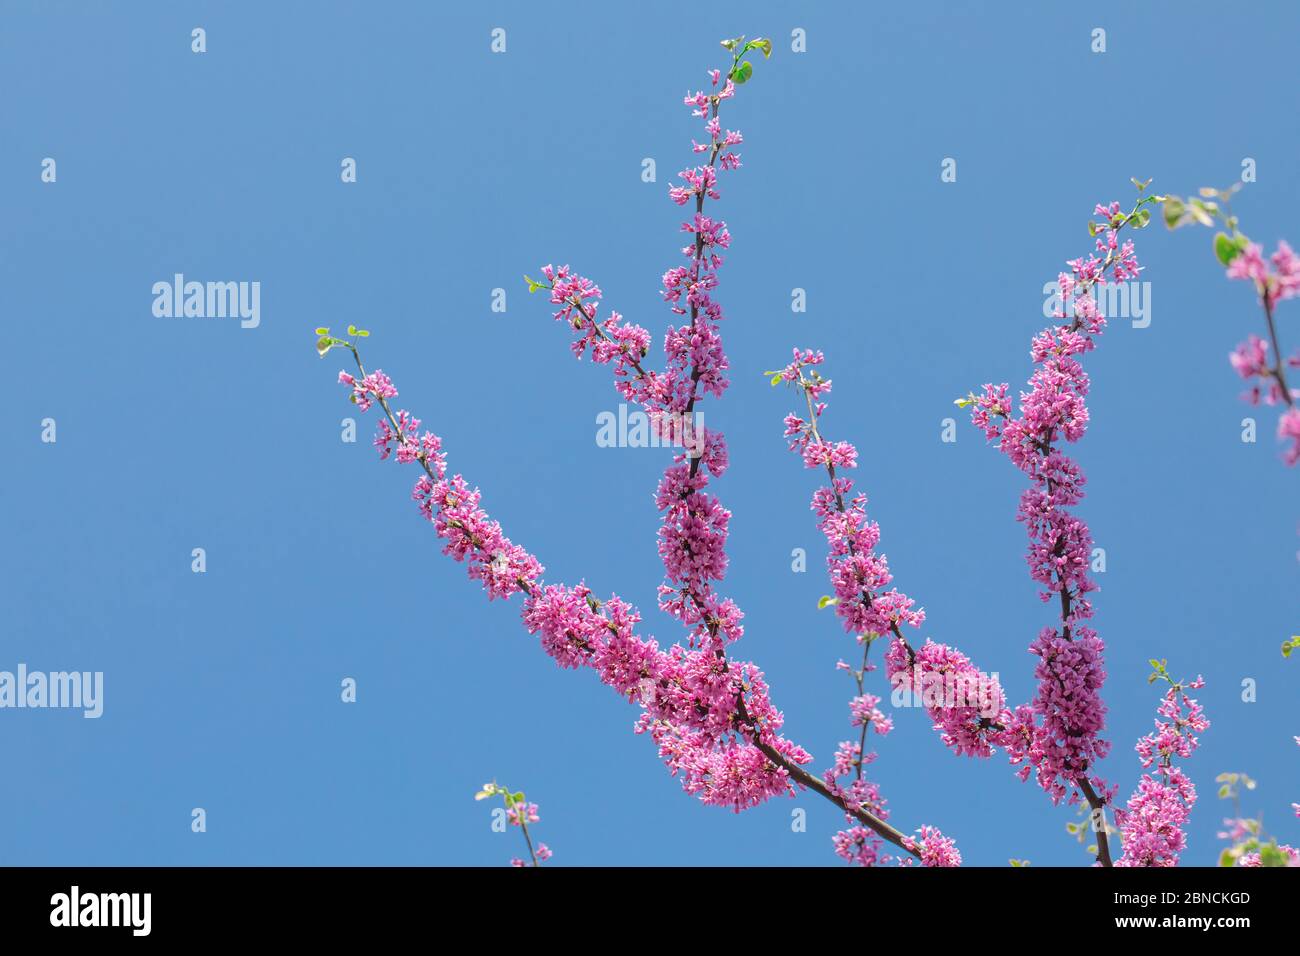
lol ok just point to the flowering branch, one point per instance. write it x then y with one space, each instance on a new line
859 576
1244 259
711 717
519 813
1056 736
1152 826
693 533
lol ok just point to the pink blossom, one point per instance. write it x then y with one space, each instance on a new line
1253 859
1274 285
518 814
1151 826
1288 429
1056 737
935 848
1251 357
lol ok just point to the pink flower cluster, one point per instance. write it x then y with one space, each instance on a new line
504 568
935 848
859 576
1273 285
706 713
1251 358
710 717
1152 825
1057 735
1288 430
1251 361
858 844
610 340
371 387
1253 859
520 813
968 707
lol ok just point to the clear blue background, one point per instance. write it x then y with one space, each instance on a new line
222 689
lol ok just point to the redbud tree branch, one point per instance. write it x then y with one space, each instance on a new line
796 772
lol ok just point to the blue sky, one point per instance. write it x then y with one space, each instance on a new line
222 688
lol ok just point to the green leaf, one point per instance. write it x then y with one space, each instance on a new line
1018 862
1291 645
761 43
826 601
732 43
1174 210
519 796
1225 248
1140 219
1202 211
1141 186
963 402
362 333
322 331
352 330
533 284
323 345
776 379
1271 855
742 72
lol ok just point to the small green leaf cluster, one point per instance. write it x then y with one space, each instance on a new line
325 341
741 69
1210 207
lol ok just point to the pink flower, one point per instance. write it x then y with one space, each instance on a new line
1288 429
859 846
1253 859
1249 264
1151 826
1056 737
1282 282
371 388
935 848
1251 357
519 814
